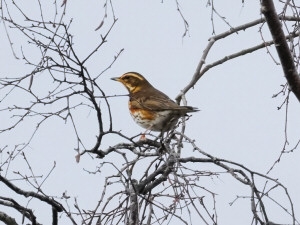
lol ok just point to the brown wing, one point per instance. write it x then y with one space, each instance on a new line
156 101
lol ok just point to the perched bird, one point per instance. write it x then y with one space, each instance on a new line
149 107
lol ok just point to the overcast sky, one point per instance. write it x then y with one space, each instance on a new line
238 121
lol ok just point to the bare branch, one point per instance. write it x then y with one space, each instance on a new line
7 219
27 194
284 53
199 72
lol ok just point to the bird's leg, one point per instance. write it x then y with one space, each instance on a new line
143 136
161 136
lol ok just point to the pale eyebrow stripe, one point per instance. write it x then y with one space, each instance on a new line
134 75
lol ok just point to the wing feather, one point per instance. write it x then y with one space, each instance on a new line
157 102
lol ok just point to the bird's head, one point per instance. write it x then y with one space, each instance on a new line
132 81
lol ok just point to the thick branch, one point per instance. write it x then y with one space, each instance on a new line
54 216
134 206
151 182
43 198
130 146
26 212
283 51
7 219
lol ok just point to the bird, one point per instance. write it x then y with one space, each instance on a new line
149 107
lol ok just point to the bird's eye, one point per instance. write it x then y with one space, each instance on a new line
126 78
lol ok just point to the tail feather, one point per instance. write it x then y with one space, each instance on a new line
189 109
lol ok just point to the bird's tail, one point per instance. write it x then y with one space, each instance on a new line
189 109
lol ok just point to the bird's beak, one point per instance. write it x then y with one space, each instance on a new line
115 78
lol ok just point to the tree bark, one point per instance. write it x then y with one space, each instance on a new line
134 206
283 51
7 219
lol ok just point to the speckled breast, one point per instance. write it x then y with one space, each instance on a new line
154 120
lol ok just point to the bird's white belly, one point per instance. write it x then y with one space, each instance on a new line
160 121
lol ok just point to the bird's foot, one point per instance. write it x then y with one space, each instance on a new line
143 137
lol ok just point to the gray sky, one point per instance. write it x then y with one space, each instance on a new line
238 121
